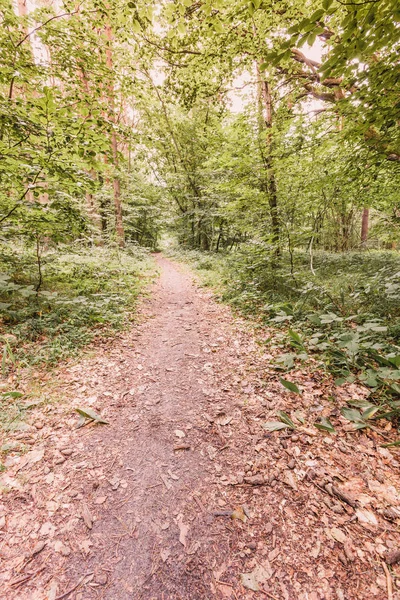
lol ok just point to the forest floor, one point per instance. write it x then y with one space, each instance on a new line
183 495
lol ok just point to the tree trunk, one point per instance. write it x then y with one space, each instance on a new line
265 109
119 226
364 225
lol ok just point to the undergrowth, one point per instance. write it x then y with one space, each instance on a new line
85 292
344 311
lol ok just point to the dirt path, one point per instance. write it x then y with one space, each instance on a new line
142 508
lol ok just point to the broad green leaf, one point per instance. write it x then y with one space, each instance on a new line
351 414
89 413
325 425
275 426
370 412
289 385
284 417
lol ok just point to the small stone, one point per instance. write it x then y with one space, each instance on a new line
67 451
255 480
268 528
348 552
252 546
101 579
292 464
100 500
60 460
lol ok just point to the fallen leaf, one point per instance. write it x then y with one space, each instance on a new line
86 516
338 535
249 581
47 529
366 517
183 530
165 554
100 500
223 420
38 547
85 546
290 479
238 513
259 575
92 415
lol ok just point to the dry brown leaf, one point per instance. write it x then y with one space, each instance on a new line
86 516
183 530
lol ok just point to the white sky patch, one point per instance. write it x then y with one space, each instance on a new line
243 89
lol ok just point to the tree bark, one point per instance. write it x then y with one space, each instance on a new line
119 225
265 103
364 225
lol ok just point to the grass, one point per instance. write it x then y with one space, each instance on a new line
86 292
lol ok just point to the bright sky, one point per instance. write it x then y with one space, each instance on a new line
243 90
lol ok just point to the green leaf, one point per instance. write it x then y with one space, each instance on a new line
12 395
136 26
360 403
351 414
275 426
397 443
284 417
289 385
395 360
89 413
370 412
325 425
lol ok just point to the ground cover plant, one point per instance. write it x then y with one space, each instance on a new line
345 314
83 294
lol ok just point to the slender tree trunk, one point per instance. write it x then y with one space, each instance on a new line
265 109
364 225
119 226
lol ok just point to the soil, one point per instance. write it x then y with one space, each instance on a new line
183 494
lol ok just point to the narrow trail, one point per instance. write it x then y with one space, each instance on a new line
141 508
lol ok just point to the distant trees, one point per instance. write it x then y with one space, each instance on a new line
115 121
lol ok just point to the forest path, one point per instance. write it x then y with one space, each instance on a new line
141 508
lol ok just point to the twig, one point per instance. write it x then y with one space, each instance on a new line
17 582
68 592
389 582
224 583
267 594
